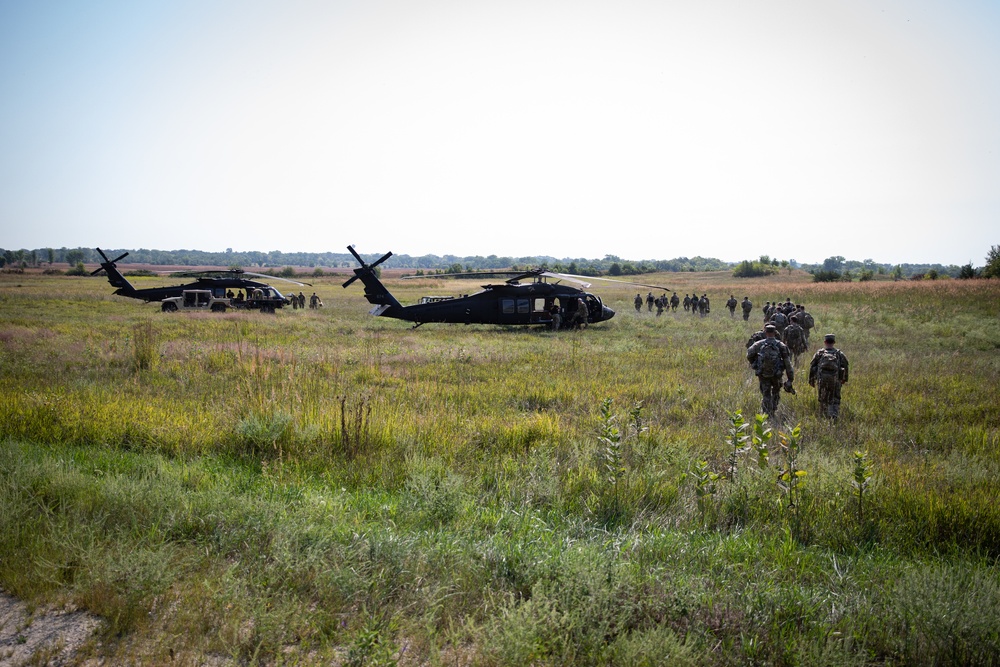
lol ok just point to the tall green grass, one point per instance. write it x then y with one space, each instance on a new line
321 485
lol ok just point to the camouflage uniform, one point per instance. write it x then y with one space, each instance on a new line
806 320
747 306
770 386
756 336
731 305
779 320
659 306
687 302
795 338
638 303
703 305
674 301
830 379
650 299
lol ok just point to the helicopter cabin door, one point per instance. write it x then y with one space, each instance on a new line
515 310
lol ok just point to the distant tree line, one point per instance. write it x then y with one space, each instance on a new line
832 268
610 264
837 268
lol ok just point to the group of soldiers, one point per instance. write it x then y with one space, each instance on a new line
299 301
773 353
692 303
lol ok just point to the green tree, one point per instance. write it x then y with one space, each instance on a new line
967 272
50 254
73 257
992 268
615 270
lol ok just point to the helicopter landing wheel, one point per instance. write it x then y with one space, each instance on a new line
169 307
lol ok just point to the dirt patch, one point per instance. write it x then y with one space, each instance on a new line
46 636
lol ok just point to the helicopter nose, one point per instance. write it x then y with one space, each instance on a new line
607 313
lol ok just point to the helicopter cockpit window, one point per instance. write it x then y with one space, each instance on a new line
523 305
507 306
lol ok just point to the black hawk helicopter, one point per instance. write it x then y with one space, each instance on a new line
511 302
219 282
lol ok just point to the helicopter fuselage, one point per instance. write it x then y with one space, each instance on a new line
506 304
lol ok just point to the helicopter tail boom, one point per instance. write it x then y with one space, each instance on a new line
385 304
115 277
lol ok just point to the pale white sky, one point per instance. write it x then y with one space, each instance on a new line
652 129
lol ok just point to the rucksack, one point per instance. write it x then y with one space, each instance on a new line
807 321
779 320
769 363
829 363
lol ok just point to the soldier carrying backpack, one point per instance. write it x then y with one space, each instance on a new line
747 306
795 338
829 369
770 359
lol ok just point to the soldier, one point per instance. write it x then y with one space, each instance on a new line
829 368
767 311
295 302
795 338
580 314
556 316
659 305
788 307
314 301
703 309
779 320
674 302
687 302
769 359
302 301
747 306
638 303
731 305
805 320
756 336
650 299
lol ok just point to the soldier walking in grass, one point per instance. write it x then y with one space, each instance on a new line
767 311
747 306
829 370
754 337
703 309
770 359
638 302
806 320
674 302
795 338
650 299
731 305
687 302
660 305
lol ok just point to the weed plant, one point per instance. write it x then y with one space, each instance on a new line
319 486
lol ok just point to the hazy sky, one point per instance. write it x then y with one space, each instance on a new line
726 128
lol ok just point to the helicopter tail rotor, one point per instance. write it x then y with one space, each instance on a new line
364 266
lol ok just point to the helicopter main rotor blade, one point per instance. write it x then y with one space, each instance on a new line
349 281
380 260
623 282
566 276
466 274
101 252
356 255
119 257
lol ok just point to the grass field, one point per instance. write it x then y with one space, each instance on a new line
323 485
